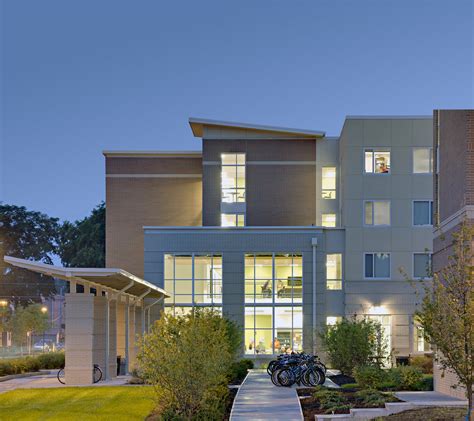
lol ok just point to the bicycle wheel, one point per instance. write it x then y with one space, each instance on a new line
304 379
271 367
61 376
274 377
322 375
286 377
312 377
97 373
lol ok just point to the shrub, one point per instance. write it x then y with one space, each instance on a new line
426 384
31 364
187 358
51 360
368 377
373 398
406 377
331 400
238 370
424 362
353 343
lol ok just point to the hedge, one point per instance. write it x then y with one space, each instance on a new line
21 365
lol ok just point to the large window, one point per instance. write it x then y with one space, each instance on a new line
421 265
422 212
328 219
273 296
377 212
328 186
377 265
376 162
233 177
423 160
334 271
232 220
193 279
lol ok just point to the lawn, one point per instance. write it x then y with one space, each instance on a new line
78 403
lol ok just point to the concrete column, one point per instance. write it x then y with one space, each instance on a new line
79 339
132 337
127 335
120 317
100 304
112 338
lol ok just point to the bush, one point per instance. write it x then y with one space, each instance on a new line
22 365
368 377
373 398
331 400
406 377
239 370
354 343
51 360
424 362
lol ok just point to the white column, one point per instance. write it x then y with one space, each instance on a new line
314 244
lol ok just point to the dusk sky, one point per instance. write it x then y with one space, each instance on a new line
80 77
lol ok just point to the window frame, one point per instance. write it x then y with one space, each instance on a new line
431 160
236 219
327 214
341 280
373 266
375 150
430 217
373 213
236 166
335 183
430 257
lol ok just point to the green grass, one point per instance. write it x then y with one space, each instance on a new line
78 403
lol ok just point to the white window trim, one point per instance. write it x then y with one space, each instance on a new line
373 225
376 149
431 161
418 278
335 190
377 277
413 213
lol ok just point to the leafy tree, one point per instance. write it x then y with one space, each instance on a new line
352 343
447 311
82 243
28 235
187 359
24 320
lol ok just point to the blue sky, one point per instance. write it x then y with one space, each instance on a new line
79 77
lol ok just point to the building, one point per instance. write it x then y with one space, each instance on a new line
283 230
453 197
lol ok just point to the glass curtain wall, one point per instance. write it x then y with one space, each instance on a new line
273 303
193 280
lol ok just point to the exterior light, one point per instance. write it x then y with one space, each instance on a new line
44 309
378 310
3 303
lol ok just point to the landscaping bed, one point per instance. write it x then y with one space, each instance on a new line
431 414
317 401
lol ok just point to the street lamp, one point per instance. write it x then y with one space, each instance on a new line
44 310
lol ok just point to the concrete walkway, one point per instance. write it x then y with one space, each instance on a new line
259 399
430 399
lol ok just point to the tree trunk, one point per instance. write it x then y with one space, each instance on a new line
470 410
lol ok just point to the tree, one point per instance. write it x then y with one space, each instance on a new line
25 321
82 243
28 235
187 359
352 343
447 311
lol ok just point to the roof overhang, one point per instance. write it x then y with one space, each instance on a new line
117 280
197 125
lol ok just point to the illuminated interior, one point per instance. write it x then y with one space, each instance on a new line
328 220
334 271
328 187
232 220
377 162
233 178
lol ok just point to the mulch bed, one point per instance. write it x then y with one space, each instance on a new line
230 401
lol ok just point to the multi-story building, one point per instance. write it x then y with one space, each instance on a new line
283 230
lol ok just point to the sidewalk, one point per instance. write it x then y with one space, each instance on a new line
259 399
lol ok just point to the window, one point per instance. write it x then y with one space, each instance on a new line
377 162
193 280
422 212
328 183
273 296
422 265
420 338
333 320
377 212
328 219
377 265
232 220
334 271
233 177
423 160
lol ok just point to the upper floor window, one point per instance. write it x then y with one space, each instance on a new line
232 220
422 212
334 271
328 183
377 162
377 212
423 160
377 265
328 219
422 265
233 177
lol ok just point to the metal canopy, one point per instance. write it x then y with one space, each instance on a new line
118 280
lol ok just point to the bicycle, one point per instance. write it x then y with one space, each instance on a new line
297 368
96 374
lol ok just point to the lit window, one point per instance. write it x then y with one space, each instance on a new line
420 338
329 183
377 212
423 212
377 162
423 160
334 271
377 265
328 219
232 220
333 320
233 177
421 265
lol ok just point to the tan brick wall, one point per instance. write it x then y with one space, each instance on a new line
443 384
132 203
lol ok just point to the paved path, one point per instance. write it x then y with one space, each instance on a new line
430 399
259 399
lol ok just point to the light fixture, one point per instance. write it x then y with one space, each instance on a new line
3 303
377 310
44 309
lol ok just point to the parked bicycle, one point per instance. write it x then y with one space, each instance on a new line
299 368
96 374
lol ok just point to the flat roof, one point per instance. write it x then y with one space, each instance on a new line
153 154
389 117
197 125
112 278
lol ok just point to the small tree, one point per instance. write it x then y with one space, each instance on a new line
447 312
25 321
187 359
352 343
